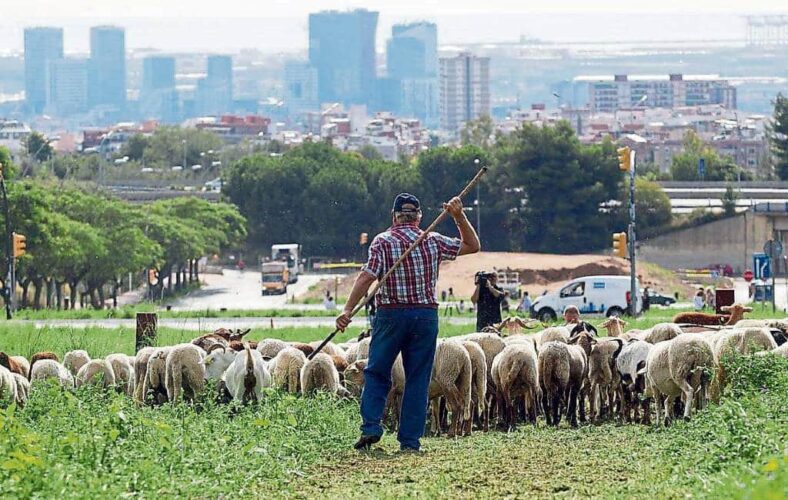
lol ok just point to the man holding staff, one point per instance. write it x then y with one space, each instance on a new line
407 315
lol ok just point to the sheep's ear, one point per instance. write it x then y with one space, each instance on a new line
725 308
573 339
641 371
746 309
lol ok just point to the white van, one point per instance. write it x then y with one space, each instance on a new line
608 295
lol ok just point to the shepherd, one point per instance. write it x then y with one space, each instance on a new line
407 315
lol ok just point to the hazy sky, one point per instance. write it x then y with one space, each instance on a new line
281 25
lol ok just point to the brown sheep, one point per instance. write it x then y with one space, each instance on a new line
39 356
614 326
12 365
305 348
697 318
341 365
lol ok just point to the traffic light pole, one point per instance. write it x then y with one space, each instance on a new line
8 294
633 289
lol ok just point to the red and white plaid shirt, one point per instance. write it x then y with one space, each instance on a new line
413 282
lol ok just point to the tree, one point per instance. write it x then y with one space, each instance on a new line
479 132
778 136
170 146
652 206
9 169
718 168
135 147
729 200
38 147
559 187
368 152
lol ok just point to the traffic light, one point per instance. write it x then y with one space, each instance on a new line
20 244
624 158
363 238
620 245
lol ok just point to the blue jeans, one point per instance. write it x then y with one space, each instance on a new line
414 333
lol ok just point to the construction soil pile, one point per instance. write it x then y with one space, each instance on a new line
538 272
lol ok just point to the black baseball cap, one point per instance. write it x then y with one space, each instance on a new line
406 202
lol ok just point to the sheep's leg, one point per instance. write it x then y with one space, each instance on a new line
548 414
689 397
669 409
556 403
592 401
659 405
644 404
571 407
454 403
581 403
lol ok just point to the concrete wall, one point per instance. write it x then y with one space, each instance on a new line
728 241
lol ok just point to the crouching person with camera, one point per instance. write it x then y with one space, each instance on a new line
487 297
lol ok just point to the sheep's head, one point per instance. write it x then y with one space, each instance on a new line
354 377
513 324
217 361
614 326
736 311
584 326
223 333
585 340
238 334
4 360
491 329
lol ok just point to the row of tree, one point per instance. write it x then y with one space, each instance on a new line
545 191
90 242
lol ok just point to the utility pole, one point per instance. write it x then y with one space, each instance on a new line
633 289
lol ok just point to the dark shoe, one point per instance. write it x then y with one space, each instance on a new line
406 450
366 441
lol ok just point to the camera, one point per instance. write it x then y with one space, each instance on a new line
481 278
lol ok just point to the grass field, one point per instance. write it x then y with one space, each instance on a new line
93 444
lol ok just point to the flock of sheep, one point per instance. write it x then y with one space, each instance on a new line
495 377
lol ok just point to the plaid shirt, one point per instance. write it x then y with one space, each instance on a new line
413 282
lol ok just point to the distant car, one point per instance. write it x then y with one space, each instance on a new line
658 299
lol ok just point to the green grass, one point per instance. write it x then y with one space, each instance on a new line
93 444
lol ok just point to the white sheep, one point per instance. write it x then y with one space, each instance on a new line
451 379
74 360
217 361
140 372
691 363
781 351
286 368
331 348
630 364
736 341
247 376
554 371
22 389
155 376
514 373
96 371
269 348
659 382
358 350
603 376
320 373
553 334
184 372
479 383
661 332
8 389
49 368
123 369
23 364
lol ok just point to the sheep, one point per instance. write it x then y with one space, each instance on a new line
286 369
690 361
340 363
614 326
554 334
89 373
358 350
780 351
216 362
513 324
330 348
514 372
630 362
8 390
354 377
662 332
123 369
269 348
659 382
741 341
479 383
247 376
22 389
553 366
49 368
320 373
451 379
12 364
603 376
578 382
584 341
156 376
184 372
305 348
140 371
39 356
354 383
74 360
698 318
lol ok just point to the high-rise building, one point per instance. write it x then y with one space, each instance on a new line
342 50
300 88
412 67
107 67
412 51
67 87
215 92
464 90
42 45
158 97
607 94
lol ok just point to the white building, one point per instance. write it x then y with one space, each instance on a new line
464 90
13 135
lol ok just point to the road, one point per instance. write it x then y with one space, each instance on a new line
241 290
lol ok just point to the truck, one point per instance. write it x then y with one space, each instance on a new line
289 253
275 276
607 295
